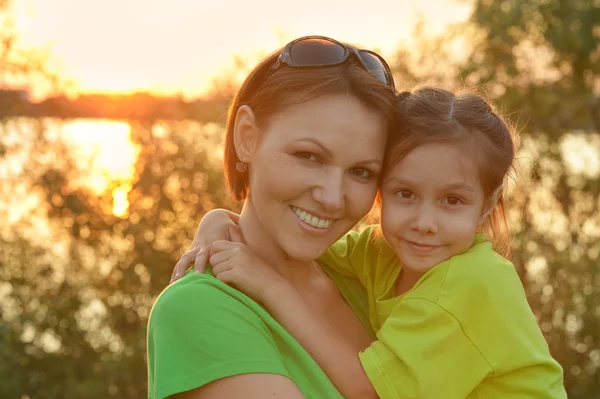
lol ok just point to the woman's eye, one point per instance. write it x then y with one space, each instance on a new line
362 173
405 194
452 200
307 155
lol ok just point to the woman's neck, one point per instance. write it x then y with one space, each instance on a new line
263 244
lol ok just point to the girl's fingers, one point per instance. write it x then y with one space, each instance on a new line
221 268
228 277
182 265
201 259
219 258
219 246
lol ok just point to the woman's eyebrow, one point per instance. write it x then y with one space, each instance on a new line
329 154
318 144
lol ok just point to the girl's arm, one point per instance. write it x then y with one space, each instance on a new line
218 224
236 264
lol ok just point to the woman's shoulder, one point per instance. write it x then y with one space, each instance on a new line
201 298
193 286
201 330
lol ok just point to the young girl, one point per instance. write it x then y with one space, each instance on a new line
450 313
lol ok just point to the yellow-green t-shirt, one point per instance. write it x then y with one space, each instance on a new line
464 331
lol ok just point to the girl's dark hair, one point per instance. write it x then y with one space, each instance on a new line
432 115
270 92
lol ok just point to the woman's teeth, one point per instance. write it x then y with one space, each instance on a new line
311 219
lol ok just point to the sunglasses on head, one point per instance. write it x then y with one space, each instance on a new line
320 51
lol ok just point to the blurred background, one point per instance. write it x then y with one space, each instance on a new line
111 124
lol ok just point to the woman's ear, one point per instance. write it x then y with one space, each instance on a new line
245 133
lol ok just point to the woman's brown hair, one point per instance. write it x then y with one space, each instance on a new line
270 92
433 115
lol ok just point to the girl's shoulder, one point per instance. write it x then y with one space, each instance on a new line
478 274
479 277
480 264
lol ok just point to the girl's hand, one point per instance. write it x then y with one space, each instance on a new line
218 224
235 264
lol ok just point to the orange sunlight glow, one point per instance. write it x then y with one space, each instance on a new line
106 153
120 202
181 45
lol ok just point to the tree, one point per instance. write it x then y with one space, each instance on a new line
77 277
80 296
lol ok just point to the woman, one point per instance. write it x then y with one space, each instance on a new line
304 146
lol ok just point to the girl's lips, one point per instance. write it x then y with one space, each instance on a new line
421 247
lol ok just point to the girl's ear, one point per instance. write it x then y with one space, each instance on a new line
490 204
245 133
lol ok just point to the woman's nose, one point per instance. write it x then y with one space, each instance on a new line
330 191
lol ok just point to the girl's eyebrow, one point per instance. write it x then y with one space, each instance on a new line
459 186
451 186
402 181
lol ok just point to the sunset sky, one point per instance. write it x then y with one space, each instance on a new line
177 46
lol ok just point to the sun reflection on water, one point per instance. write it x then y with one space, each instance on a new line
105 151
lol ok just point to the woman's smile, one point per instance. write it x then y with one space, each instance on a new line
312 223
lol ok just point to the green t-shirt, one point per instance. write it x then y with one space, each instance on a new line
464 331
201 330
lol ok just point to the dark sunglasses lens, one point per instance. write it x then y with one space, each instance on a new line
316 52
375 66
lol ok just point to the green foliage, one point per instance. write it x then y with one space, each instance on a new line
545 56
77 301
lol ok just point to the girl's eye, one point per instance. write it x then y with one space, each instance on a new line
307 155
452 200
405 194
362 173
